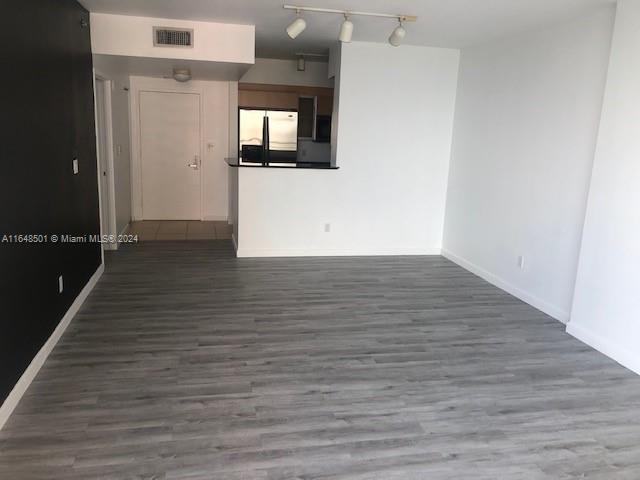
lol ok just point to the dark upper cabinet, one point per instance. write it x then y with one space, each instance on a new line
306 116
325 105
255 95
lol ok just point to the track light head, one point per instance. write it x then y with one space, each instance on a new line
397 35
346 30
296 27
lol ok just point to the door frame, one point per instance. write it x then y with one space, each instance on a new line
138 85
108 136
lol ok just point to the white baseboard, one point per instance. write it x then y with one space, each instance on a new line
551 310
215 218
30 373
624 357
339 252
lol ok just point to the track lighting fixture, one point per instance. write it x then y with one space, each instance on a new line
346 29
397 35
297 26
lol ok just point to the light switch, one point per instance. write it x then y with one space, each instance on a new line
75 166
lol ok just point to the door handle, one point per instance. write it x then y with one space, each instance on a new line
196 163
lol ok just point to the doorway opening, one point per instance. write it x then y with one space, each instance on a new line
149 230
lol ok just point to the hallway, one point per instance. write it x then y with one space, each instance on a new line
146 230
188 363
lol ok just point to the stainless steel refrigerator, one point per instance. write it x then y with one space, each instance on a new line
278 127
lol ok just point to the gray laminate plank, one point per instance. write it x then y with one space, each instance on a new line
187 363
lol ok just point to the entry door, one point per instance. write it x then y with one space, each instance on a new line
170 155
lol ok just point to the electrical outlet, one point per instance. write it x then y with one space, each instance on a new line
521 262
60 284
76 168
118 150
327 227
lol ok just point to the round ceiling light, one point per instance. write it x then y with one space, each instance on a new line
181 74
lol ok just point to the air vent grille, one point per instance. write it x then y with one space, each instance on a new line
172 37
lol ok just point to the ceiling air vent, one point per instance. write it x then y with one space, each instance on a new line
172 37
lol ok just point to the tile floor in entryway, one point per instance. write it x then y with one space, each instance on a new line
180 230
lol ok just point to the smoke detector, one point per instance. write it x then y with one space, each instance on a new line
181 74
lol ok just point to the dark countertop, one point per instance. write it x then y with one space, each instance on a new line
238 162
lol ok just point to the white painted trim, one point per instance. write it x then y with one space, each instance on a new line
340 252
551 310
134 164
95 120
30 373
624 357
108 112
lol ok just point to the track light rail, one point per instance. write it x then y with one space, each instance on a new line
348 13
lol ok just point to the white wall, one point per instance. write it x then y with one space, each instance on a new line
335 59
233 152
393 149
132 36
526 121
606 308
285 72
215 141
121 140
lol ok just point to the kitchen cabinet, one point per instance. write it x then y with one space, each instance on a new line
255 95
325 105
267 99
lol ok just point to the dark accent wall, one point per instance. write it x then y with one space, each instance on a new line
46 119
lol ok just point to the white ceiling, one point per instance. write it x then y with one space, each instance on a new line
443 23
